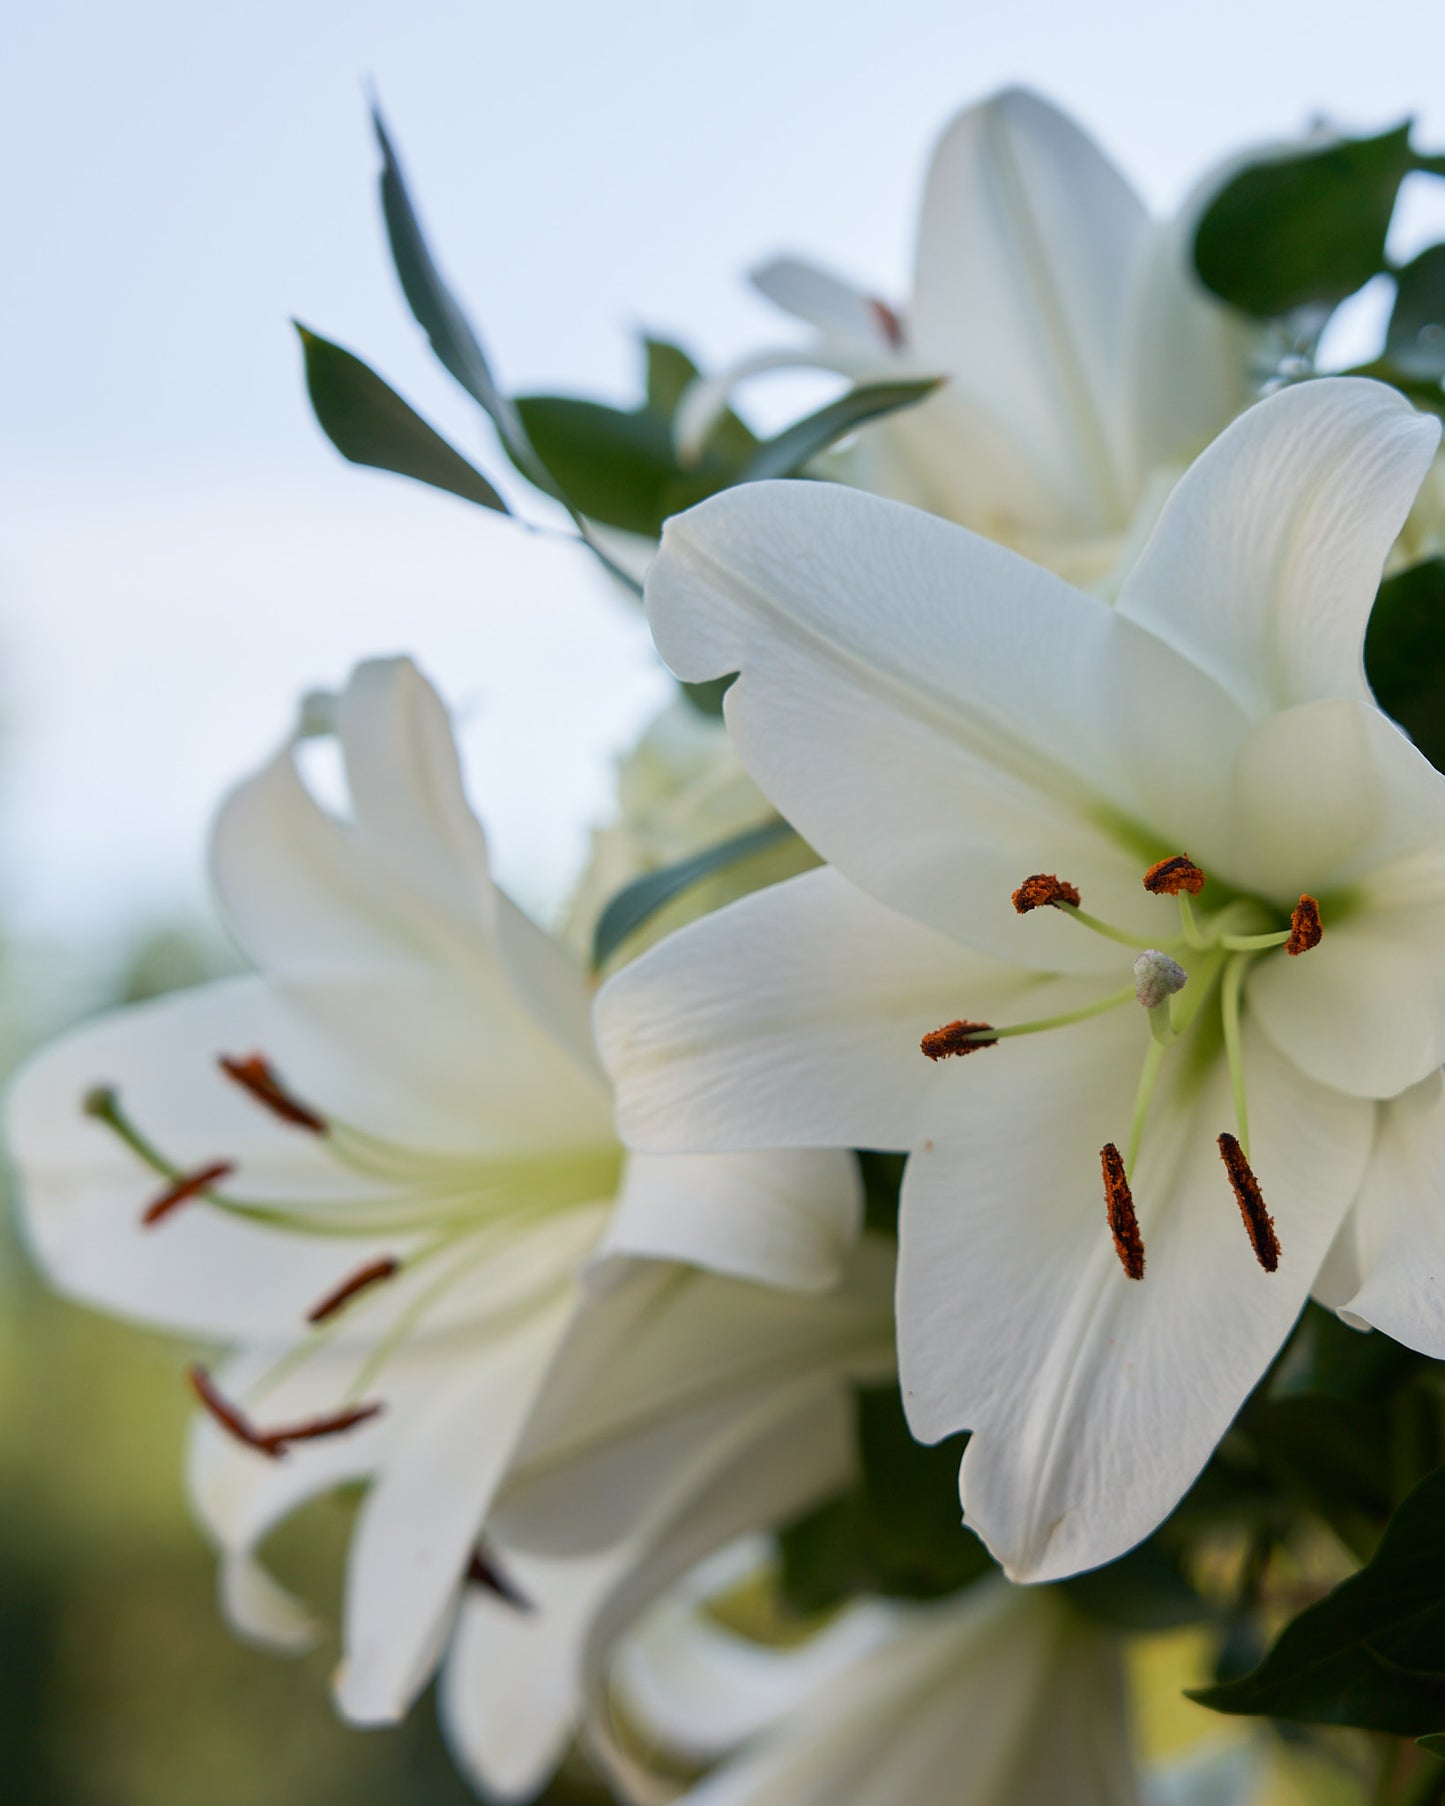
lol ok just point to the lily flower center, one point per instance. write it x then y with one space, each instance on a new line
449 1214
1180 981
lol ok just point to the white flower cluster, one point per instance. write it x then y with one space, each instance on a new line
578 1289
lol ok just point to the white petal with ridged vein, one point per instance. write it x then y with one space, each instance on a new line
1331 799
1094 1398
1026 249
937 716
794 1017
1264 564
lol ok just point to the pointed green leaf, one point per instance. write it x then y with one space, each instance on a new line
1372 1653
1405 654
1415 341
1435 1743
635 905
369 423
1303 229
616 467
670 373
791 449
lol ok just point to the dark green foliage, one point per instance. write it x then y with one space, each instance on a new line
369 423
1405 654
635 905
1372 1653
1305 229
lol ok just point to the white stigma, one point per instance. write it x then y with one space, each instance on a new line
1157 978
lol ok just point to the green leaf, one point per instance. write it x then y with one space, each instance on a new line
707 697
1144 1591
1405 654
914 1531
1415 339
1372 1653
670 373
1303 229
635 905
882 1175
1435 1743
824 1556
456 344
369 423
437 310
791 449
617 467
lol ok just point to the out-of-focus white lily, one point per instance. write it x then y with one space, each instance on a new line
1085 362
374 1169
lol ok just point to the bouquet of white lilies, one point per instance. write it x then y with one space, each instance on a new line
753 1398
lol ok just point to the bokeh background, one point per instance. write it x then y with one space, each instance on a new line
181 554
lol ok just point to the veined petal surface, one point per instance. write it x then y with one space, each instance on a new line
1263 567
1094 1398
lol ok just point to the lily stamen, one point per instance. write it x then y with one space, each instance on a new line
257 1076
1168 877
1044 890
360 1281
190 1185
964 1037
482 1571
957 1038
271 1443
1258 1223
1119 1210
1306 930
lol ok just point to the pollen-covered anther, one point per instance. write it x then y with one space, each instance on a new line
256 1075
362 1280
1306 930
1157 977
958 1038
188 1186
888 321
1167 877
271 1443
483 1571
1042 889
1119 1208
1258 1223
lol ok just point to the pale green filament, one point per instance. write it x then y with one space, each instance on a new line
1111 1002
1254 943
1234 972
1143 1097
1110 933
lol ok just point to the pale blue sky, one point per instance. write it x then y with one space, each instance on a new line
180 552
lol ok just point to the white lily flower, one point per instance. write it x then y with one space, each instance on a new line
1085 362
995 1697
375 1168
944 721
683 1411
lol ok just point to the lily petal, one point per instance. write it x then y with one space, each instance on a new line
1395 1231
1314 483
937 716
1332 799
794 1016
1026 249
1091 1423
